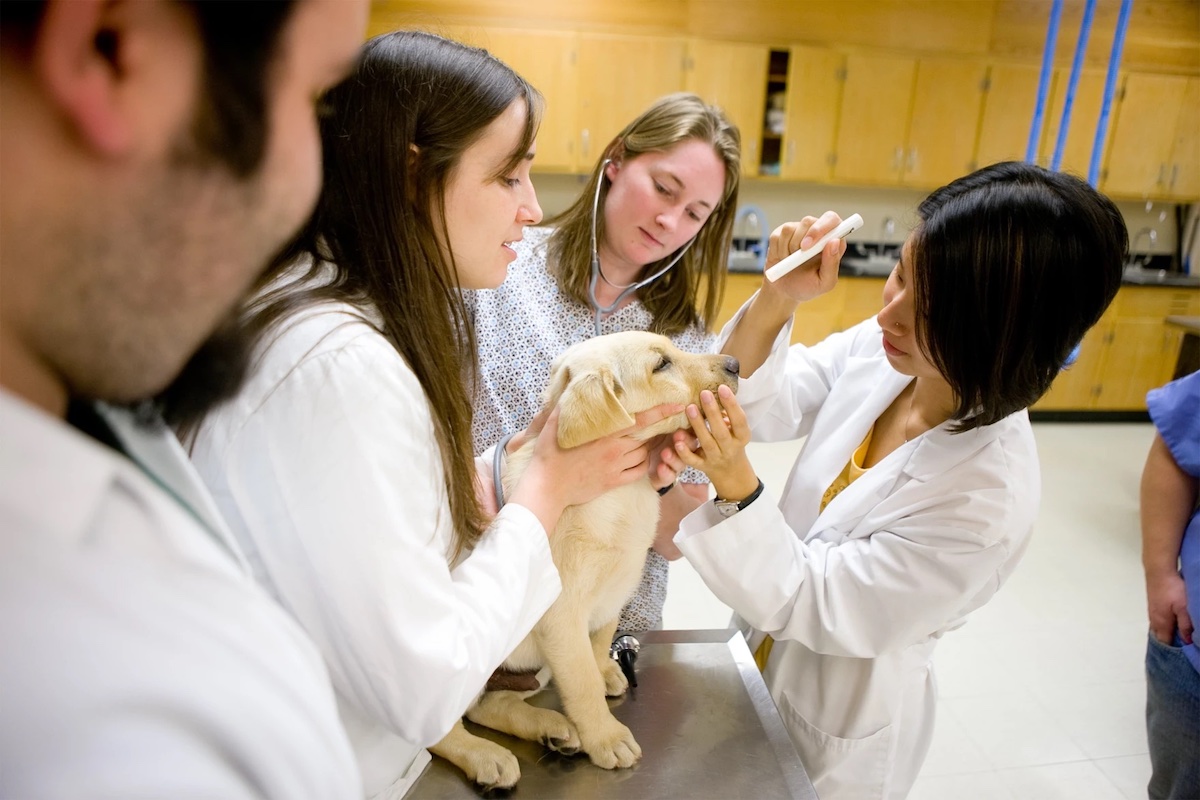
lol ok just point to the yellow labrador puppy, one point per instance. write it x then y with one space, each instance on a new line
600 551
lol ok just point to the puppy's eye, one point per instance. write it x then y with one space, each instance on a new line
663 364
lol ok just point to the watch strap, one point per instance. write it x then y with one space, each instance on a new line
727 508
750 498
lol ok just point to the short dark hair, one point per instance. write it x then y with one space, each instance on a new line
240 43
1012 264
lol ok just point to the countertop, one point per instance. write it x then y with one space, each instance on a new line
702 715
1189 324
1170 280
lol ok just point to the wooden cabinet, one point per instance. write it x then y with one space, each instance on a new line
850 302
1008 105
1076 387
947 99
815 79
1081 128
1184 183
593 84
547 59
908 122
1154 130
619 76
733 76
1130 351
873 126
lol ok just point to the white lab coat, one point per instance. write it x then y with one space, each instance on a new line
140 659
857 596
329 474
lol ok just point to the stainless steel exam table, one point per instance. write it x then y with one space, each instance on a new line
704 720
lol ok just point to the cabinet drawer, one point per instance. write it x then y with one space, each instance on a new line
1154 301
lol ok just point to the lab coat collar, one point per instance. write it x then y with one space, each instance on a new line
51 475
57 478
934 452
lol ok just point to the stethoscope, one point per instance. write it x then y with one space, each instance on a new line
498 455
600 310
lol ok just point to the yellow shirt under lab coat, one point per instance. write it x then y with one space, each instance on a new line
857 595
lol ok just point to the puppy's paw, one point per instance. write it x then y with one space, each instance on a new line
615 682
559 734
611 745
492 767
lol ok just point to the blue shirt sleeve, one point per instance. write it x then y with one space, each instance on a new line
1175 411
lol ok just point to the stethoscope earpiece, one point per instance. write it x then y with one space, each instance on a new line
599 309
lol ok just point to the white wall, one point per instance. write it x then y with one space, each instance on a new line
786 201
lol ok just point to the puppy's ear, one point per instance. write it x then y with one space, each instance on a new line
589 409
560 376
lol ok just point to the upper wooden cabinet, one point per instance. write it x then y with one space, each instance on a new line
1008 105
548 60
734 77
619 76
1184 183
1154 138
1081 127
815 80
856 117
906 121
872 129
947 99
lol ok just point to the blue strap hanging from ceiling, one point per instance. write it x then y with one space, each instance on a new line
1039 109
1085 28
1110 85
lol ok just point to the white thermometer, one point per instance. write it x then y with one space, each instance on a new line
850 224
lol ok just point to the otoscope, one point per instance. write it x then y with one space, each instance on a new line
624 651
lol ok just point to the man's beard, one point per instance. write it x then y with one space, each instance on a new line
214 375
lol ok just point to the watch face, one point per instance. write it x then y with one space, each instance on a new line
726 508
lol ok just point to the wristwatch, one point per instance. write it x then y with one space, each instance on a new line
727 508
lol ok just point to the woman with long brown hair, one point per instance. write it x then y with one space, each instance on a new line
643 247
344 466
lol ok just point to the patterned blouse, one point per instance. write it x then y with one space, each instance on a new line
521 327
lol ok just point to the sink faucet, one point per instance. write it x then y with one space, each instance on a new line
1150 233
888 229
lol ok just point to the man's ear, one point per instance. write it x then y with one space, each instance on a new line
589 408
78 60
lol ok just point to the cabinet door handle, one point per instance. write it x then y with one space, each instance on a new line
897 159
791 151
587 143
1174 175
1162 175
912 160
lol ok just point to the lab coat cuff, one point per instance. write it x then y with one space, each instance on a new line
705 528
739 555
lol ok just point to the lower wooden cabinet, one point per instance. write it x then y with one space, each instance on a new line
1130 351
849 303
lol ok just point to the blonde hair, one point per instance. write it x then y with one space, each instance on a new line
672 300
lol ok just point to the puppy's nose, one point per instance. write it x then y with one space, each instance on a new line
732 366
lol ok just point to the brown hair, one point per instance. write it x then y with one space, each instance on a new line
393 133
673 298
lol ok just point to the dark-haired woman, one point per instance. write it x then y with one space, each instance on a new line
916 490
344 466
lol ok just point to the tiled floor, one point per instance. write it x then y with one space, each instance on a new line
1041 692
